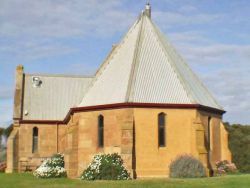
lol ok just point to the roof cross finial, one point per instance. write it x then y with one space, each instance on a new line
148 9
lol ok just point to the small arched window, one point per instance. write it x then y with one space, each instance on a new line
161 130
100 131
35 140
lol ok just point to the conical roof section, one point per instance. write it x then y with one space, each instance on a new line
145 68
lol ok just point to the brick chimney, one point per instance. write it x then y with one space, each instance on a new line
18 92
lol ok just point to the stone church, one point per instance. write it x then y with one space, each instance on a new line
144 102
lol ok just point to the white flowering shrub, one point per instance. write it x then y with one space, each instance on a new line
106 167
51 168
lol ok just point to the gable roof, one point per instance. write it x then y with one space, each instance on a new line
54 98
145 68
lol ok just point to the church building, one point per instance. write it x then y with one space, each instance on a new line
144 102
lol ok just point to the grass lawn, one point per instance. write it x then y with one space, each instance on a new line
28 181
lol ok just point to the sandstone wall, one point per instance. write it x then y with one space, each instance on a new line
48 144
82 134
218 137
133 133
152 160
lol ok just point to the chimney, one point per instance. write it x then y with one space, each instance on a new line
148 10
18 92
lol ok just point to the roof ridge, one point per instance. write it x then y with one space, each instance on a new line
192 100
208 93
180 58
134 66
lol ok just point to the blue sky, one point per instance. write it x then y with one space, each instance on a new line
74 36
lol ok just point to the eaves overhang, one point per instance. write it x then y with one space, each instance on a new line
121 106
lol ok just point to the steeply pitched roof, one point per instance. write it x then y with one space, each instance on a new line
55 96
145 68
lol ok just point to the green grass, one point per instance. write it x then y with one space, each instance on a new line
28 181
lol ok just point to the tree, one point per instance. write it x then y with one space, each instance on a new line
1 133
239 144
8 130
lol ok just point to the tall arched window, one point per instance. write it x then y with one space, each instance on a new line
35 140
161 130
208 132
100 131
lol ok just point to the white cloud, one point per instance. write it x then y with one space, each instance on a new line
187 9
6 112
172 19
62 18
217 54
6 92
32 49
38 29
223 67
182 38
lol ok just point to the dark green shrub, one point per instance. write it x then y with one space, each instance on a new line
187 166
106 167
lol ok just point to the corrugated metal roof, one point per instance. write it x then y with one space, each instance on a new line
155 80
146 68
111 82
196 90
55 96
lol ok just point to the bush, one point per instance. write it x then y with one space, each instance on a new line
106 167
3 166
52 168
224 167
186 166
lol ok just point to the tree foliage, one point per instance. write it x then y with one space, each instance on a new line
239 144
8 130
1 131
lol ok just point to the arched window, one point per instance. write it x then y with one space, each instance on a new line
161 130
100 131
208 132
35 140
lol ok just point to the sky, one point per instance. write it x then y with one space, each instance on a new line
74 37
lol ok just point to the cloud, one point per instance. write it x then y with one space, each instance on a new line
32 49
187 9
182 38
62 18
6 92
82 69
173 19
6 112
220 54
33 30
224 68
231 87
